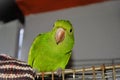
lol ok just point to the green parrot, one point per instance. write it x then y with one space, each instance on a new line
52 50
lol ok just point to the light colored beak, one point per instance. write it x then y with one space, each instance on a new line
60 35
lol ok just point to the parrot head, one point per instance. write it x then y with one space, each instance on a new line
63 29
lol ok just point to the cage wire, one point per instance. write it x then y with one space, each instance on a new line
102 72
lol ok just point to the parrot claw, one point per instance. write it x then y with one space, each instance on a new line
59 72
35 70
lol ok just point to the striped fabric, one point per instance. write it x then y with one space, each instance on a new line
13 69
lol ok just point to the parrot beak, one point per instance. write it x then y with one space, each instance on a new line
60 35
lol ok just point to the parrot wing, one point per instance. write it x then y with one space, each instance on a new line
32 56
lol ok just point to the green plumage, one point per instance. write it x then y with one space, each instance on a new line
46 54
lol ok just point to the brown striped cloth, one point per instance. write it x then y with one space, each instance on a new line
13 69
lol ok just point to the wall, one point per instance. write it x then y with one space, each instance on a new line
97 31
8 38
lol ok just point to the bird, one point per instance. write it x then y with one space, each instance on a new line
52 50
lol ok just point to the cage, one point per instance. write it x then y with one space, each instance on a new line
102 72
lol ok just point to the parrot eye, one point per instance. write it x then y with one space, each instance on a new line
70 30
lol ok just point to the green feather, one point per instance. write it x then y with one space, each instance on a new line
46 55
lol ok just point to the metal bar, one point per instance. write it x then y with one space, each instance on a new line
74 74
103 72
63 75
114 73
42 75
94 75
83 73
52 75
67 71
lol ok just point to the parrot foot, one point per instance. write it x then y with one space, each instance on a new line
59 72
